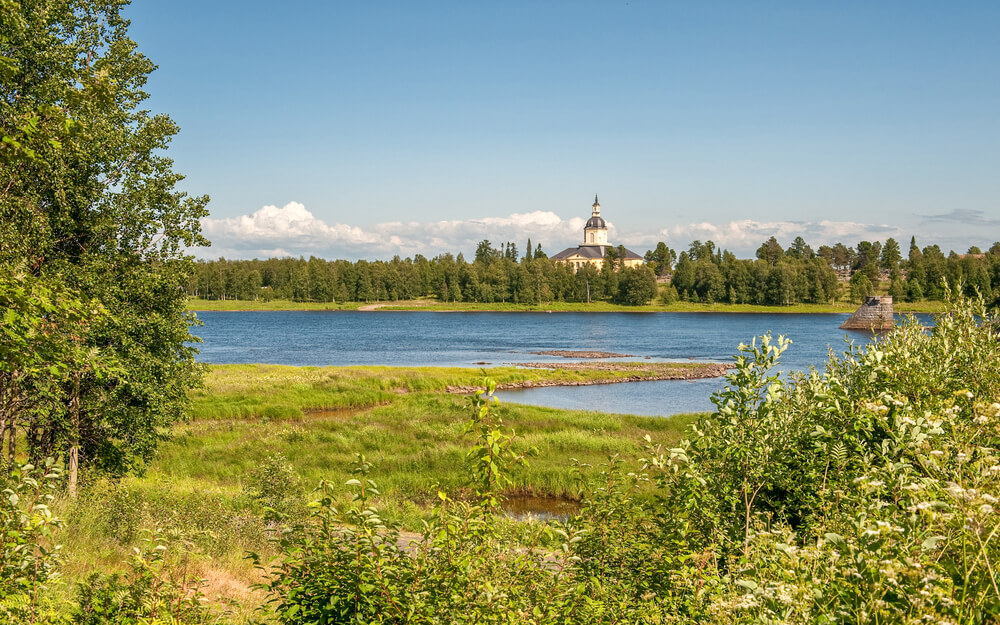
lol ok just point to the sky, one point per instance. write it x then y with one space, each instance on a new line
370 129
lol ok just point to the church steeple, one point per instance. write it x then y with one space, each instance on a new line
596 230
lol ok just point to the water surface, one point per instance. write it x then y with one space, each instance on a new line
422 338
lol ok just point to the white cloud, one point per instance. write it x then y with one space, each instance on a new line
292 230
744 236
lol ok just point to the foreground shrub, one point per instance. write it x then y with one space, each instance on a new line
863 493
28 556
157 589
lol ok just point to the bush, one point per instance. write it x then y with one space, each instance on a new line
158 588
275 487
28 557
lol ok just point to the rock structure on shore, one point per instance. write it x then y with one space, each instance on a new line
874 315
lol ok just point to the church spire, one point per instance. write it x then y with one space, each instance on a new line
596 206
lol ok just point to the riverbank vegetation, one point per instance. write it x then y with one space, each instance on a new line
830 278
435 305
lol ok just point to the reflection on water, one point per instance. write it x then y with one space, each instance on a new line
524 507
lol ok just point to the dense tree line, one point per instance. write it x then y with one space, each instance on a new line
495 275
702 273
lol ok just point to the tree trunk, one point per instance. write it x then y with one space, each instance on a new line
74 433
11 443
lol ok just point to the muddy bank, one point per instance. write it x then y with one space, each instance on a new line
635 372
565 353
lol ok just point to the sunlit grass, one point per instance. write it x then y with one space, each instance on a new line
285 392
319 419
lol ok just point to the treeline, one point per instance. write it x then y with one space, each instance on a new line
702 273
781 276
495 275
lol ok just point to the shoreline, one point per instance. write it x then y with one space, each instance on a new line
644 372
199 306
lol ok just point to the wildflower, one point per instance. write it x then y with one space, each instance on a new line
986 509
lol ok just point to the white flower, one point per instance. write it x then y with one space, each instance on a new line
986 508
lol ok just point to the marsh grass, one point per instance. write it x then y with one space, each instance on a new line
319 418
279 392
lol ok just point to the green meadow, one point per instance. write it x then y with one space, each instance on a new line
314 421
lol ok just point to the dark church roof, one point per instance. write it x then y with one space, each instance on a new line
592 251
596 222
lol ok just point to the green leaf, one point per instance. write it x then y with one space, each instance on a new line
931 543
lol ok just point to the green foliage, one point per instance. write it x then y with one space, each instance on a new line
491 456
28 556
158 589
275 486
114 510
90 207
861 287
636 286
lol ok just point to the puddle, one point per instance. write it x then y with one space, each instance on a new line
333 413
525 507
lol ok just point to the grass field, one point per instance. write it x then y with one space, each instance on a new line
435 305
318 419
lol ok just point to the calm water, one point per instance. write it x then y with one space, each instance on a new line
468 339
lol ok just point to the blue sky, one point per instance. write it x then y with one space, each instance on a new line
366 129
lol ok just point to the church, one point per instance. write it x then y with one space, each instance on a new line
595 245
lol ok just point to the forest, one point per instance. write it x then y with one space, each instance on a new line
702 273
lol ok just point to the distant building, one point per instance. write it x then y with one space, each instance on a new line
595 245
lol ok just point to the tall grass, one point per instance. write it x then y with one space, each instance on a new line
402 419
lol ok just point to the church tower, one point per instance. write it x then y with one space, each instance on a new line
596 230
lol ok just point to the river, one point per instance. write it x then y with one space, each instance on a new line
471 339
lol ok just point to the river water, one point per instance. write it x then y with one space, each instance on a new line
471 339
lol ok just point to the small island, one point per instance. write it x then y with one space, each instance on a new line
590 374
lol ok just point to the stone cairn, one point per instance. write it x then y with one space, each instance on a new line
874 315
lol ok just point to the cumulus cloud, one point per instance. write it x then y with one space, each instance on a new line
292 230
744 236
